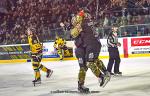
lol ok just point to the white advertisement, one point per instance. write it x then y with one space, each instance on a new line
49 51
139 45
104 49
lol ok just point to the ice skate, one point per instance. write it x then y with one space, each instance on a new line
118 74
111 73
82 88
49 73
104 80
61 59
36 81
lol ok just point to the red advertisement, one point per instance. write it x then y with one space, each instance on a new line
140 41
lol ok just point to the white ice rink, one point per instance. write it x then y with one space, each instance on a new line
15 80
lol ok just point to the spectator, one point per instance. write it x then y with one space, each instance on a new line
49 13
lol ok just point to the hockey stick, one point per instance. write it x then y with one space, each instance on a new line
89 3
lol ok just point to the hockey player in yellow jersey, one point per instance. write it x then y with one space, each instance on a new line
36 54
60 46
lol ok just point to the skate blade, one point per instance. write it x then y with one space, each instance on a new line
50 74
37 83
106 81
85 92
118 75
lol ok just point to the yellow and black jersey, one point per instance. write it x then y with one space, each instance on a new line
59 43
35 46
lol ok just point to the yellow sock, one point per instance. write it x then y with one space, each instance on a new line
43 68
37 75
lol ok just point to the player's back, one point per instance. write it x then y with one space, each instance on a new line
36 48
87 34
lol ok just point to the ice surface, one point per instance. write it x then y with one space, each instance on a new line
15 80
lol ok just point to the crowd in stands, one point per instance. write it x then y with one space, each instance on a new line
42 14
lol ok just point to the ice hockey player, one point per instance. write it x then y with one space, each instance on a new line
60 46
87 51
114 57
36 54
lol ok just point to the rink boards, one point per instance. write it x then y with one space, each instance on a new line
130 47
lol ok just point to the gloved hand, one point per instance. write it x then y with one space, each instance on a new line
119 44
